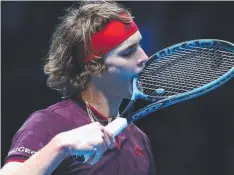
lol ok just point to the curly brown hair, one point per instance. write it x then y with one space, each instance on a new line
64 64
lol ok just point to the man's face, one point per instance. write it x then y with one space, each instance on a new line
123 63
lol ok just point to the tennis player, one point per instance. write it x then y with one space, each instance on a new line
94 55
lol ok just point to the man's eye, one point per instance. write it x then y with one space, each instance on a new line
129 52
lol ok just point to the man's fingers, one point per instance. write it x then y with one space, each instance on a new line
96 157
93 156
109 137
107 141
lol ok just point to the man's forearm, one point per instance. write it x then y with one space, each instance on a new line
44 162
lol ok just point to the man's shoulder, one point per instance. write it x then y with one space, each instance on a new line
50 112
64 113
58 105
132 128
64 108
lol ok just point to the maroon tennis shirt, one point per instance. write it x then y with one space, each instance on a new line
131 155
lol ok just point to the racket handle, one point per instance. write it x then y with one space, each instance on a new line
117 126
114 127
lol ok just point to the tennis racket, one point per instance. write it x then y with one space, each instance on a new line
175 74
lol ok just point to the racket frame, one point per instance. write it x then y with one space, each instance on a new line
182 97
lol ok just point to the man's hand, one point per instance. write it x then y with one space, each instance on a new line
93 139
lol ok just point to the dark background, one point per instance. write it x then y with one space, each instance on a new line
190 138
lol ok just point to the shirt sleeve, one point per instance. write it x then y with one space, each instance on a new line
34 134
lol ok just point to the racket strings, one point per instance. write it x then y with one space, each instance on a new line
190 76
184 69
178 55
182 53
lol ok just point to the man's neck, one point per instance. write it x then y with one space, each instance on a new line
107 104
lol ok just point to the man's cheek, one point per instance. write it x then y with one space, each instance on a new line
114 70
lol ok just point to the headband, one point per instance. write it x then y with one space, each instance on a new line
114 33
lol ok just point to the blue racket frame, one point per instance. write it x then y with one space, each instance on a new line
183 96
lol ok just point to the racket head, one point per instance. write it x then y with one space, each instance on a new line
184 71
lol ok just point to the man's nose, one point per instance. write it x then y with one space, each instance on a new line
142 58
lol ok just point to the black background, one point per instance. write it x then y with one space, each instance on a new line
190 138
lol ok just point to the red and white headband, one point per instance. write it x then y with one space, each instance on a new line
114 33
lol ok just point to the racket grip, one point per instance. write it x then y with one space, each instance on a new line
114 127
117 126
